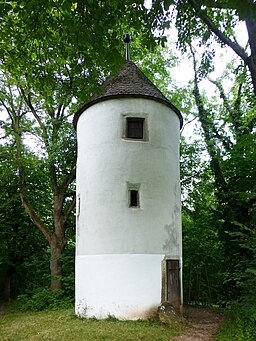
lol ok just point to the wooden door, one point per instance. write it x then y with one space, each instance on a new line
173 283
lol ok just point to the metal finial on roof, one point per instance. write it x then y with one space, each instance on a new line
127 40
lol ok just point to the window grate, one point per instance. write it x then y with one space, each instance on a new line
135 128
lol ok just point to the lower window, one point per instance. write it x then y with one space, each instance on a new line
133 195
134 198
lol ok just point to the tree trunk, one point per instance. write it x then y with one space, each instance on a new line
57 243
55 234
8 283
56 266
250 61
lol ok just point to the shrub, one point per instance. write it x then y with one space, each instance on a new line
44 298
236 329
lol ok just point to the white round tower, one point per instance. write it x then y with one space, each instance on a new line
129 240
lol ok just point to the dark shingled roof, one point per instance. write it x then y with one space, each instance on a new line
130 82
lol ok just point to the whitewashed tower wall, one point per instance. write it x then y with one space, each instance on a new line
122 251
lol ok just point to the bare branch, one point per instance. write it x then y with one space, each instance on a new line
206 125
185 124
51 166
69 209
69 179
226 4
239 50
232 112
4 137
7 109
33 110
33 216
22 184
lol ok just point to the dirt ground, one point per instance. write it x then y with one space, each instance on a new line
201 324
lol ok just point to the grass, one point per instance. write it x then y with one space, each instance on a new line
236 329
63 325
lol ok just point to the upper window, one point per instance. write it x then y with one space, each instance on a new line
135 128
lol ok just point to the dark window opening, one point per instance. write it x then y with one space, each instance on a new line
135 128
134 198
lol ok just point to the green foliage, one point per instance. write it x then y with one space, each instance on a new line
68 267
20 243
24 254
244 278
201 24
237 329
44 298
45 77
219 206
81 42
203 264
53 56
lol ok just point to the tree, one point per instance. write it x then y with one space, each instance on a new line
203 21
55 202
53 55
228 130
227 121
19 240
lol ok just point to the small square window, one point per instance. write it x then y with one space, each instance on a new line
135 128
134 198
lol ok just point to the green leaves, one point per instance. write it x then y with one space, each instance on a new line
167 4
53 56
57 45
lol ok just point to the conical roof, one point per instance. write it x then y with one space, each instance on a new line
130 82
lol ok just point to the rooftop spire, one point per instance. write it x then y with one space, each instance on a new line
129 83
127 40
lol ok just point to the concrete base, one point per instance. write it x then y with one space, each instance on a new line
126 286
